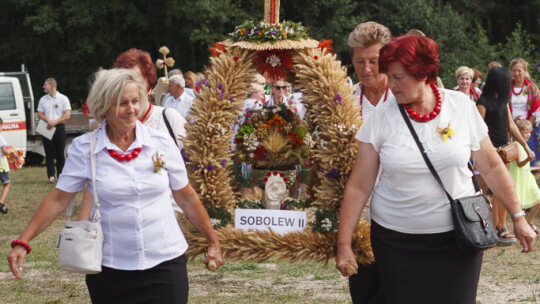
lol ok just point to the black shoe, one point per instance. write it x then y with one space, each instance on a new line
3 208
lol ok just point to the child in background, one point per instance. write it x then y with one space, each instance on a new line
4 170
526 187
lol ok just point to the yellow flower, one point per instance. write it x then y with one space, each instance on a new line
158 162
242 32
284 34
446 132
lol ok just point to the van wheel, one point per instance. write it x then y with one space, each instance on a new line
33 159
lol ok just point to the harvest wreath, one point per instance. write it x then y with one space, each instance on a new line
332 120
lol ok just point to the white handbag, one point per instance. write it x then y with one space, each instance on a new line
80 243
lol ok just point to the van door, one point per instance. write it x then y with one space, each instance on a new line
12 112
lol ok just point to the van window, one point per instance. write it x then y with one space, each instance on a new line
7 97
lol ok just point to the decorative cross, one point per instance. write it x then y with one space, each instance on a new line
165 62
271 11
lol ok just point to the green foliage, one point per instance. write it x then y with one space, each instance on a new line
70 39
326 220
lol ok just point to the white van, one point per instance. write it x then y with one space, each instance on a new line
12 112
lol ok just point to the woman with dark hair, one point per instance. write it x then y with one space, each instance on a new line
412 233
494 109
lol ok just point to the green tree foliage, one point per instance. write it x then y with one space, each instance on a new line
71 39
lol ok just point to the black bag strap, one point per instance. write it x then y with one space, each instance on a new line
426 158
169 126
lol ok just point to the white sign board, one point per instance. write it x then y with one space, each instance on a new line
281 221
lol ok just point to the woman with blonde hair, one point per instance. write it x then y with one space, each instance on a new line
525 101
464 77
143 248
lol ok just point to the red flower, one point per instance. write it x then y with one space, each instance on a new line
259 153
325 46
235 58
316 57
217 49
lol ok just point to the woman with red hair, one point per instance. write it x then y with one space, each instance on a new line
418 258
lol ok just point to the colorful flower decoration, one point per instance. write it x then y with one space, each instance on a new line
446 132
266 32
274 64
159 163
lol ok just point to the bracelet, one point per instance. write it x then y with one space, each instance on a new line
516 215
21 243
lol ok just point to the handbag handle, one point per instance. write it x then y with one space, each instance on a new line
97 215
426 158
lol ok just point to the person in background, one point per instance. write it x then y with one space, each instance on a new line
151 115
179 99
493 108
464 76
525 101
190 79
54 108
143 248
414 245
256 98
526 186
372 90
4 170
490 66
476 80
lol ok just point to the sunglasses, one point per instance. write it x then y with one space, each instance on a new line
281 87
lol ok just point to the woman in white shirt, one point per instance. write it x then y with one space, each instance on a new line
143 249
412 231
525 101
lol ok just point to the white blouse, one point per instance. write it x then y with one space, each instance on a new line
407 198
367 107
519 105
139 227
177 122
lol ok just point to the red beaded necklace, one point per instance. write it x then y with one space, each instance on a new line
518 93
436 110
146 114
125 157
362 96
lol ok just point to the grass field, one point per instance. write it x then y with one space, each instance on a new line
508 276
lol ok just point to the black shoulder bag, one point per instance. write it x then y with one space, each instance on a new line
169 126
471 215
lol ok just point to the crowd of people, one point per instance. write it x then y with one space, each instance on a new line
412 234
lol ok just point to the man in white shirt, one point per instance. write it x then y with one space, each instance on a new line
365 42
179 99
54 108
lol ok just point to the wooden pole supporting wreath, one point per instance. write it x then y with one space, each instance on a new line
332 120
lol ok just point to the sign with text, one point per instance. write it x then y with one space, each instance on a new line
281 221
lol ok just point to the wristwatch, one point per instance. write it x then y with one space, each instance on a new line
516 215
